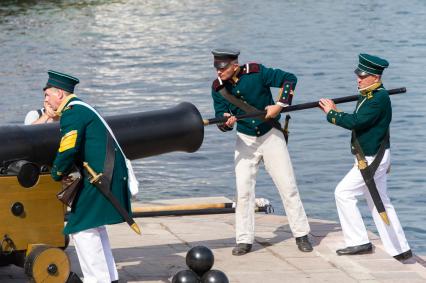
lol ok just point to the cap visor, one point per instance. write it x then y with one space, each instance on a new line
221 64
361 73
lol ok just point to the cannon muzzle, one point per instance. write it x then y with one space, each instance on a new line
142 134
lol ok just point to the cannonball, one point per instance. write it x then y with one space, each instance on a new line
214 276
186 276
200 259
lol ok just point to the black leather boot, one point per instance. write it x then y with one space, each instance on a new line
403 256
242 249
356 250
303 244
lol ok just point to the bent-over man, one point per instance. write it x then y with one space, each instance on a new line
243 89
84 138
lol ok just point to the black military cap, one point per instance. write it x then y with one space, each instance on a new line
222 57
370 65
61 81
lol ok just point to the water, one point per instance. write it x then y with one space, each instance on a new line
144 55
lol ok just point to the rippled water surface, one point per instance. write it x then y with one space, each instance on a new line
145 55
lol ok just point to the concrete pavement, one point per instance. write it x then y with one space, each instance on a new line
160 252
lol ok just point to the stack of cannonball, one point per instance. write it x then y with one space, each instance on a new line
200 260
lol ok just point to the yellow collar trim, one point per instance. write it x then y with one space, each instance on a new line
62 105
235 78
367 91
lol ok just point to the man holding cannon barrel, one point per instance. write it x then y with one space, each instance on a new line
244 89
370 144
86 142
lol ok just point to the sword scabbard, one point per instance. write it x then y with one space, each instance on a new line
384 217
285 128
98 182
135 228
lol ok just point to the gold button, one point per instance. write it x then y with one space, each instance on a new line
258 132
253 121
238 91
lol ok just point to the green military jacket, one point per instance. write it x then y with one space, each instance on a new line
252 85
83 138
370 120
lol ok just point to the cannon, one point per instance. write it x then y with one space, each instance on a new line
31 217
143 134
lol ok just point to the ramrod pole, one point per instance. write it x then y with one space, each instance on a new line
297 107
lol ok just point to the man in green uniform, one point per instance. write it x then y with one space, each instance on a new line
369 124
242 89
84 139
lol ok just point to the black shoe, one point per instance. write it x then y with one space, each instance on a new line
356 250
241 249
404 255
73 278
303 244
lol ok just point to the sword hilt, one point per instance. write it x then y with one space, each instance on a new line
362 164
93 175
287 120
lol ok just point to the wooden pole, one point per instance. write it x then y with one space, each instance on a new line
189 209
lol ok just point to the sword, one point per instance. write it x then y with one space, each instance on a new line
102 184
285 129
371 185
368 171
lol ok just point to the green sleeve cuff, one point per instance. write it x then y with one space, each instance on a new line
57 176
332 116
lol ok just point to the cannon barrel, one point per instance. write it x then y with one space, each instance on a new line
142 134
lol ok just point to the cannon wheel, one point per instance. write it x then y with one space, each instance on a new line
47 264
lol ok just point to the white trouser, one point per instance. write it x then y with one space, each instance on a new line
95 256
272 149
353 185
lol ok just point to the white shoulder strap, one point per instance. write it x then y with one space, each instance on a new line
132 182
101 118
